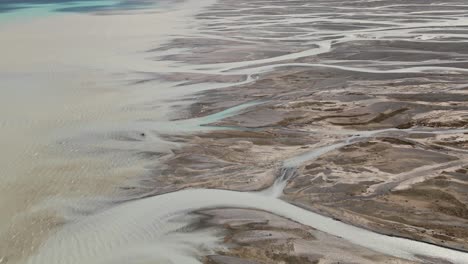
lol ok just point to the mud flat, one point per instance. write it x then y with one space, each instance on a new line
312 132
260 237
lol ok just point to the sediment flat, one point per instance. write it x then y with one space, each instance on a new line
382 78
281 117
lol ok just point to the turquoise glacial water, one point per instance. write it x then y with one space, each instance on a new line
11 10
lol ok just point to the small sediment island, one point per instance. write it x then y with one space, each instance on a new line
307 132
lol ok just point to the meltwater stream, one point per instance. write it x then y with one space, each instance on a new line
145 231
